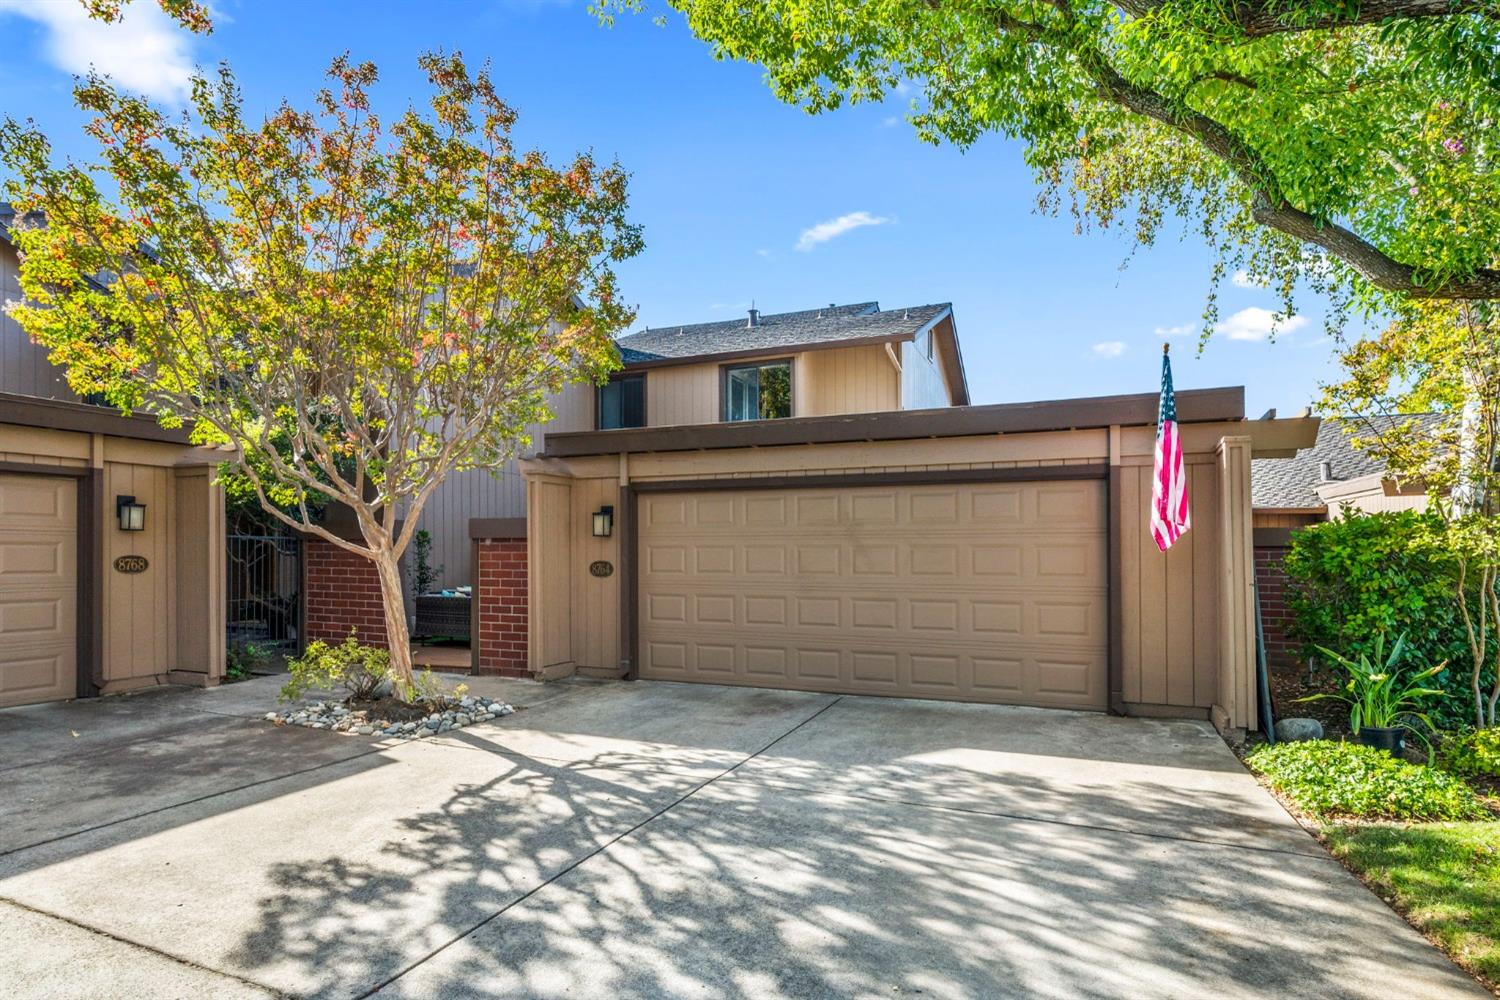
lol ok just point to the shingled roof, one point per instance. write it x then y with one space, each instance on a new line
1292 483
861 321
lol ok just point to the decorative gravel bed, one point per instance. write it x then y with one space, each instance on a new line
340 718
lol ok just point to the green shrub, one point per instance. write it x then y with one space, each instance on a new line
1475 754
1330 780
357 668
1360 576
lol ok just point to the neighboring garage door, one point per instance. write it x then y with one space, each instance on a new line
38 589
992 592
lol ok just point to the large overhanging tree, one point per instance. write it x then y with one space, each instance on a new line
1347 142
358 308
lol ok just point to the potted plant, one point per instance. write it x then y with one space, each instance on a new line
1381 700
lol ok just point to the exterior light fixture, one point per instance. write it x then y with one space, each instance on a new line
604 522
132 515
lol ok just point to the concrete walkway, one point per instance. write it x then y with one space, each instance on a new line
660 840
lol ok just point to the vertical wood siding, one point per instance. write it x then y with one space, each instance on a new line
922 382
24 367
1170 603
139 610
482 493
684 394
848 380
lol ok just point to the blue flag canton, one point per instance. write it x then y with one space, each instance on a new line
1168 397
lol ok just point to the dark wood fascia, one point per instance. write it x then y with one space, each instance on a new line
769 353
1193 406
497 527
1272 537
63 415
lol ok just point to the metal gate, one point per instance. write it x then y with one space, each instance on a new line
265 592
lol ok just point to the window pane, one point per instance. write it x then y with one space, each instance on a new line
633 402
622 403
744 399
776 391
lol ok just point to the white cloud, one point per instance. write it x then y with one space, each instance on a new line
1180 330
1242 279
1256 323
891 121
825 231
1109 349
145 51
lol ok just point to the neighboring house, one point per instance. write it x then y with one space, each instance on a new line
815 362
1315 485
86 606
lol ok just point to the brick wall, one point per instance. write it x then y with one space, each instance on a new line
501 585
343 592
1271 581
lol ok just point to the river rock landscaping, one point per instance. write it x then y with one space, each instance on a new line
370 721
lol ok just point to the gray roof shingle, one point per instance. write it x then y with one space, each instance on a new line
1293 482
776 331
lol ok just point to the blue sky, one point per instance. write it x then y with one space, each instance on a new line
742 198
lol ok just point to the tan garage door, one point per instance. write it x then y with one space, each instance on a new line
991 592
38 589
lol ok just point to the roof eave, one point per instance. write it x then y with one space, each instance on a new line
779 351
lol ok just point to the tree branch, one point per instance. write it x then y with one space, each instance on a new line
1259 18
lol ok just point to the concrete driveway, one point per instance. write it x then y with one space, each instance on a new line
660 840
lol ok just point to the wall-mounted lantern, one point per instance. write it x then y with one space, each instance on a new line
132 515
604 522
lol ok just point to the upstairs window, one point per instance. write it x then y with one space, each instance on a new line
761 391
622 403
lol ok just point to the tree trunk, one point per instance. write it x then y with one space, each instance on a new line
397 638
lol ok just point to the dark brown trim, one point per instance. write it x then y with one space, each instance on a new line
1115 670
64 415
1032 474
791 388
497 527
474 597
1193 406
90 618
953 370
630 556
1272 537
620 377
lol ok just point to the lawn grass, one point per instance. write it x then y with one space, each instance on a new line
1445 877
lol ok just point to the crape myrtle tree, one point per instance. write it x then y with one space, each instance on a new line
1442 357
357 308
1349 143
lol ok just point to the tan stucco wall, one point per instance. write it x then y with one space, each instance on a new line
1177 658
167 623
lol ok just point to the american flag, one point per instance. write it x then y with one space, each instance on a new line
1169 499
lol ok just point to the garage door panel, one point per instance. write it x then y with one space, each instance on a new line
971 592
38 589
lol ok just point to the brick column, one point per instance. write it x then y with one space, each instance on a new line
1271 581
343 593
500 590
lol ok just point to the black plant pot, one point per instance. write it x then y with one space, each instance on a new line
1391 739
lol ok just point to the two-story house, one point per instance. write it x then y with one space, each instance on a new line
111 536
814 362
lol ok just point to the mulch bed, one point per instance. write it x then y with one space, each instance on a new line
1287 685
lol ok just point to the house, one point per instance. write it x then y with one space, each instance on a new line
111 537
815 362
831 360
1317 484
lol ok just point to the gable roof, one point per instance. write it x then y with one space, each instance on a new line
805 329
1292 483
